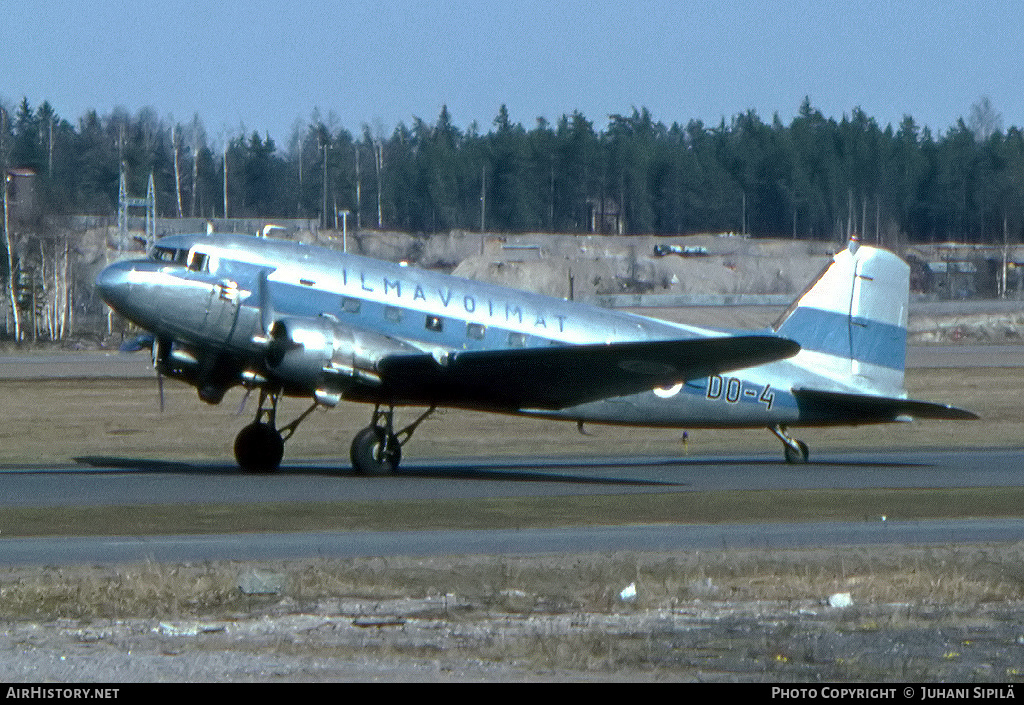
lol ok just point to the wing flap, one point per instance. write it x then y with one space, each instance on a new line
563 376
842 407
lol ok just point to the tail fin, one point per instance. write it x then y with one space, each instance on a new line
851 322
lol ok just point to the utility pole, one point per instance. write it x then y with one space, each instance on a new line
195 172
49 147
359 193
344 230
177 171
483 196
378 150
124 202
324 211
225 181
744 221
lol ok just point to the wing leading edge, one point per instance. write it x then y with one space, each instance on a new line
563 376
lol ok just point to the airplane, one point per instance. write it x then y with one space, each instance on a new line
297 320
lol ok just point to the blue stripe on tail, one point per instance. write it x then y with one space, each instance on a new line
837 334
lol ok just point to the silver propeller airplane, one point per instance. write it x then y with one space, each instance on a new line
295 320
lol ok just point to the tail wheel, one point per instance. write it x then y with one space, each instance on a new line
798 455
259 448
375 452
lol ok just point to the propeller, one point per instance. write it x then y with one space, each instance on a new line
157 349
267 314
245 398
274 333
137 343
158 355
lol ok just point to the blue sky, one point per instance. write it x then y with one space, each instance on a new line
267 65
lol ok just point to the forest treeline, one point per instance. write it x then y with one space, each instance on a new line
816 177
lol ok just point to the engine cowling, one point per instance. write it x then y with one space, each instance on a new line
319 356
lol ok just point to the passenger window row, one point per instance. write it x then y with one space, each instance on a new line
435 324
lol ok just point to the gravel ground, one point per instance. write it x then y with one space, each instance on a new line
445 638
546 619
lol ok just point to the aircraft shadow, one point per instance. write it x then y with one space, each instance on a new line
528 472
525 472
104 463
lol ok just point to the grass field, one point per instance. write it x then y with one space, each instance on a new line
56 421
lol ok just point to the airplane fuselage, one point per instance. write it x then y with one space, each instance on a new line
205 296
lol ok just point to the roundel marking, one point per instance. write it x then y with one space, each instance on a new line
668 392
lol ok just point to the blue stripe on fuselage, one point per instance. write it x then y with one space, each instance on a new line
834 333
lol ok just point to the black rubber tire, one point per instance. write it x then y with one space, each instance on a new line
259 449
793 457
366 455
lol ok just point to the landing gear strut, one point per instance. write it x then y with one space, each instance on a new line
795 451
259 446
377 449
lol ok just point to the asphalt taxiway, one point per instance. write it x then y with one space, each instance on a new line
565 540
109 481
120 481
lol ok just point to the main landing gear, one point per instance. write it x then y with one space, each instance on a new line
796 451
376 450
259 446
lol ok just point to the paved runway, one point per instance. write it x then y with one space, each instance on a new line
566 540
114 481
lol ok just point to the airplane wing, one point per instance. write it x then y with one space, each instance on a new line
561 376
821 406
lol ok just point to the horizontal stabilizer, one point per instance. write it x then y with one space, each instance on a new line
840 407
557 377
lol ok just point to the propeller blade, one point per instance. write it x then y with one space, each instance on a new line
137 343
159 351
266 305
245 398
160 389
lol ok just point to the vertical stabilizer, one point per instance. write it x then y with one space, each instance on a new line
852 321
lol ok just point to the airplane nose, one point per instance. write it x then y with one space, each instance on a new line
114 286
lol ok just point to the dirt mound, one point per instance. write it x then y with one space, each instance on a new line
601 265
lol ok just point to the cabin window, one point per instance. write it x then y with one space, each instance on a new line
350 305
517 340
392 314
435 324
199 262
475 331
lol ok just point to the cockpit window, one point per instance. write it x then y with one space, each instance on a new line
169 255
195 261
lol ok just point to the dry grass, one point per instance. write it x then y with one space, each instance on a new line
586 583
55 421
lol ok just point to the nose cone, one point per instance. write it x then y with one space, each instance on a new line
114 286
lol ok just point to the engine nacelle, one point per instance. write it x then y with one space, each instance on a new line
319 356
